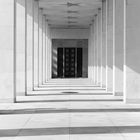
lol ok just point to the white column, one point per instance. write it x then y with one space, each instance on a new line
47 46
29 45
90 55
118 47
44 49
104 42
99 46
36 43
7 51
95 50
21 46
40 48
110 47
50 57
132 52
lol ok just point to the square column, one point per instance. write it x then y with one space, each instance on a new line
109 66
132 52
7 51
40 63
91 55
118 47
99 45
36 44
95 50
104 42
29 44
44 50
20 47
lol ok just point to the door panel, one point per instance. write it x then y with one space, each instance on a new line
69 62
69 69
79 62
60 64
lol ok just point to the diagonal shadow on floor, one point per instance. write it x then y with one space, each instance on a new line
92 100
53 110
69 130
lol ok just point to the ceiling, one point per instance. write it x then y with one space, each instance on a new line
70 13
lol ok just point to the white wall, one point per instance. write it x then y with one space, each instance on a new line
6 50
69 33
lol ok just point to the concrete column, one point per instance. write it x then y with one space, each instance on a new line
7 51
104 42
21 46
29 45
99 46
95 51
40 47
90 55
92 52
132 52
44 50
36 43
50 57
96 48
110 46
47 53
118 47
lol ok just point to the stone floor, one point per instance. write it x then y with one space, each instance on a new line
69 116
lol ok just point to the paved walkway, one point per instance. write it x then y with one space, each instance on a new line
69 116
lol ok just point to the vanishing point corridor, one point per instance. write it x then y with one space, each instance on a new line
69 70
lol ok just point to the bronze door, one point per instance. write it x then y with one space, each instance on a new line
69 64
60 64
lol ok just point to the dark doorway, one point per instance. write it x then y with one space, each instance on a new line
69 62
69 69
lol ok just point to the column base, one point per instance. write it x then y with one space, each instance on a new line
132 101
118 94
8 100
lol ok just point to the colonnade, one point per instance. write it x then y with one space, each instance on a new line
25 48
114 49
27 54
33 46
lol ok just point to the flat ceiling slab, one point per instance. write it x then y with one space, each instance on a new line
70 13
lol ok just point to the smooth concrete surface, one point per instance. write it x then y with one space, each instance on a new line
36 43
91 54
69 33
71 116
44 51
99 21
40 80
109 66
131 54
30 46
7 50
118 48
104 39
20 46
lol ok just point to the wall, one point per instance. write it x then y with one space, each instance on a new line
63 43
6 50
69 33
